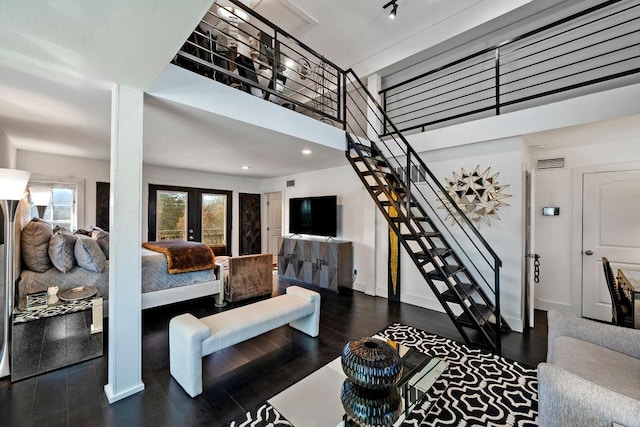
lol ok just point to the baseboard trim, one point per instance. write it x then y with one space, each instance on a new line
360 287
545 305
112 398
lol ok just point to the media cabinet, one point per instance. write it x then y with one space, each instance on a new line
327 264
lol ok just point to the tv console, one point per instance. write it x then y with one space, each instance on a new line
327 264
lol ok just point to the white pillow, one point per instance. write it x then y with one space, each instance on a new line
89 255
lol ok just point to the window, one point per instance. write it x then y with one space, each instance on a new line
61 209
185 213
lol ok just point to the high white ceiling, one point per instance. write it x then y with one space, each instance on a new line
58 61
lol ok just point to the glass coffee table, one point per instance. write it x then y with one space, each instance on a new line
48 333
315 400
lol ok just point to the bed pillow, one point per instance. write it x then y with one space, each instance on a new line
102 237
34 245
62 250
89 255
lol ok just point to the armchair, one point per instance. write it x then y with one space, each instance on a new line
592 374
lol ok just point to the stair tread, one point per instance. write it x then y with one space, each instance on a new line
480 312
435 252
371 160
419 235
453 269
462 288
397 188
387 202
366 148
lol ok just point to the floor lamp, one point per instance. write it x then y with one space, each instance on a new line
40 197
13 183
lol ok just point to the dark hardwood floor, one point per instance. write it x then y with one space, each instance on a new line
235 379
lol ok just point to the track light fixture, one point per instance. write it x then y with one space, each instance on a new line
394 8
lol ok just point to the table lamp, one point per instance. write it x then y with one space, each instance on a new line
40 197
13 183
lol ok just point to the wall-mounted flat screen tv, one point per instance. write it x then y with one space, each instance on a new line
314 215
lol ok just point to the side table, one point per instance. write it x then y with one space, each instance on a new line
55 335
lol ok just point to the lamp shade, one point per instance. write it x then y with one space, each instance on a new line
232 14
13 182
40 196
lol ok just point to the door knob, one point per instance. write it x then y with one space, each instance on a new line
588 252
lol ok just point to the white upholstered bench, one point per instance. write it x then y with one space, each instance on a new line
190 338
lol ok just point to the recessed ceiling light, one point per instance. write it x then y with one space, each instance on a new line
289 63
245 167
306 151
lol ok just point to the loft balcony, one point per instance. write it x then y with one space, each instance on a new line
569 55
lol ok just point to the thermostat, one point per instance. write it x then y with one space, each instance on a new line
551 211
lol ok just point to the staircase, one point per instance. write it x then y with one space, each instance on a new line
450 261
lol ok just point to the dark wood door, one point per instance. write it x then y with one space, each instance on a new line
250 229
102 205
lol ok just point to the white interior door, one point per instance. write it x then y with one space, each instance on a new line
610 228
274 227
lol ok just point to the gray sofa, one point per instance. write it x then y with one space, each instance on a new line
592 374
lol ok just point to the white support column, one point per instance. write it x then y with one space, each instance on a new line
125 226
375 125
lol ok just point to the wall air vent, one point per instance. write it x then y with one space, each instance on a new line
291 183
557 163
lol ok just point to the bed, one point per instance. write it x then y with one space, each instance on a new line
158 286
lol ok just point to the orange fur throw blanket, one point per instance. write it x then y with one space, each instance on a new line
182 256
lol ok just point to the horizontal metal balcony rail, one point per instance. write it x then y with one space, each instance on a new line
235 46
581 53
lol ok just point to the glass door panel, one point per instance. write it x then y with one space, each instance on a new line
61 212
187 213
214 215
171 214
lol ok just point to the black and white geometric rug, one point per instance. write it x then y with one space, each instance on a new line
477 389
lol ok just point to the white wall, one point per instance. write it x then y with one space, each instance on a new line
600 145
185 87
92 171
356 212
8 152
361 223
88 170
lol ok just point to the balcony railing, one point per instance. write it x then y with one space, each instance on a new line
235 46
595 49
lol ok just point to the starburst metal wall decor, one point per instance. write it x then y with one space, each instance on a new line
478 195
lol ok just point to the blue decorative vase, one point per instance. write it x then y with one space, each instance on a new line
369 394
371 363
367 407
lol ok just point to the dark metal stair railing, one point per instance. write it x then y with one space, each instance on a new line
425 252
428 252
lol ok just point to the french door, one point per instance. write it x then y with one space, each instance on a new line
193 214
